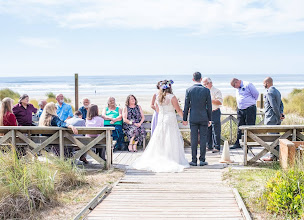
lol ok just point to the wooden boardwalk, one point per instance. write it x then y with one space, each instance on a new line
196 193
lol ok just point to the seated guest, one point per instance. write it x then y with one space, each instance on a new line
133 118
84 109
77 121
64 111
49 118
94 120
41 104
113 118
7 118
24 111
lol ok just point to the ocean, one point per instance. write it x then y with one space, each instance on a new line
138 85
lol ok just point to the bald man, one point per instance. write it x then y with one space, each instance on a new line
273 107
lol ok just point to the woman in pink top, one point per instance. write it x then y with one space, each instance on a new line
94 120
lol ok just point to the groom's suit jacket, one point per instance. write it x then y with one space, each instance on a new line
198 100
273 106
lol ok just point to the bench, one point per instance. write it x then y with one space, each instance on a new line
20 136
267 137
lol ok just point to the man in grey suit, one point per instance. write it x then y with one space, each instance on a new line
273 107
198 101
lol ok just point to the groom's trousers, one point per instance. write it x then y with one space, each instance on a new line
201 129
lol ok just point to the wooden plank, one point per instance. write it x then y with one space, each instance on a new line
262 143
6 137
108 149
90 145
61 144
26 140
245 146
46 142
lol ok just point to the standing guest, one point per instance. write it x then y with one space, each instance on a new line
273 107
246 97
84 109
214 131
7 118
113 118
133 118
155 113
94 120
77 121
41 104
24 111
64 111
49 118
198 101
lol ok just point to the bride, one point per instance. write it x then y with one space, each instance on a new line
165 151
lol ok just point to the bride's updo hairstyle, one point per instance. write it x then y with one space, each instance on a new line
165 88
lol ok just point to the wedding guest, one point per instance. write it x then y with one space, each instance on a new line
214 131
49 118
24 111
273 107
84 109
133 118
94 120
112 116
155 113
7 118
77 121
246 97
41 104
64 111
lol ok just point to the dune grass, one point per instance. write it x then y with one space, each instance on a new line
28 185
294 102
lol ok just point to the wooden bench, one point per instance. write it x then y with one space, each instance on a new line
267 137
19 136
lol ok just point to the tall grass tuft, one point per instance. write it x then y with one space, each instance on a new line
27 185
9 93
294 103
230 101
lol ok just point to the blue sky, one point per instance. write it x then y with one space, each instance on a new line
104 37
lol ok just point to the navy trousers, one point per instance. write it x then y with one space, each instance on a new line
214 131
202 129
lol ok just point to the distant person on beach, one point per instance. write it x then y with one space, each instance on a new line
84 109
42 104
133 118
7 118
273 107
112 116
153 106
64 111
24 111
246 97
77 121
49 118
214 131
94 120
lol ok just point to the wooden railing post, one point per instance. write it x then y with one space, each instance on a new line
14 139
76 91
108 148
61 145
230 120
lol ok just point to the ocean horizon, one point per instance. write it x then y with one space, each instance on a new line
118 85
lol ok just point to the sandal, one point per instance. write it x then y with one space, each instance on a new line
135 148
130 148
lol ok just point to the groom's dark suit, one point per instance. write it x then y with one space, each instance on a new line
198 100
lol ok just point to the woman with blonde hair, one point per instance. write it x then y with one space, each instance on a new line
7 118
49 118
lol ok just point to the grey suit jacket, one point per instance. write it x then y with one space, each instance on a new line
273 107
198 100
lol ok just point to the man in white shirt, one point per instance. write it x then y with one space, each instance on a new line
214 131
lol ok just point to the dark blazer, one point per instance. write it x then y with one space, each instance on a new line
273 106
198 100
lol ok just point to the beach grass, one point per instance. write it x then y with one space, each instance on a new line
294 102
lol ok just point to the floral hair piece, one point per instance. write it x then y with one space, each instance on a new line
167 85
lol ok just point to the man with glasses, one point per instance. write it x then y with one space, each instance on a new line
246 97
214 131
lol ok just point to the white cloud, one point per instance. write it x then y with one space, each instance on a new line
39 42
198 16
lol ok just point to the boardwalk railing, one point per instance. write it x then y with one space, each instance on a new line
267 137
38 138
226 118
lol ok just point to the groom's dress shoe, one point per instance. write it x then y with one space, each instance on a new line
193 164
202 163
235 146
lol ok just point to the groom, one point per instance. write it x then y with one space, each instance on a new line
198 100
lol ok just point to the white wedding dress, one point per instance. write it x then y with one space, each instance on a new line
165 151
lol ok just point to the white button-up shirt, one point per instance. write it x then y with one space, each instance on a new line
216 94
